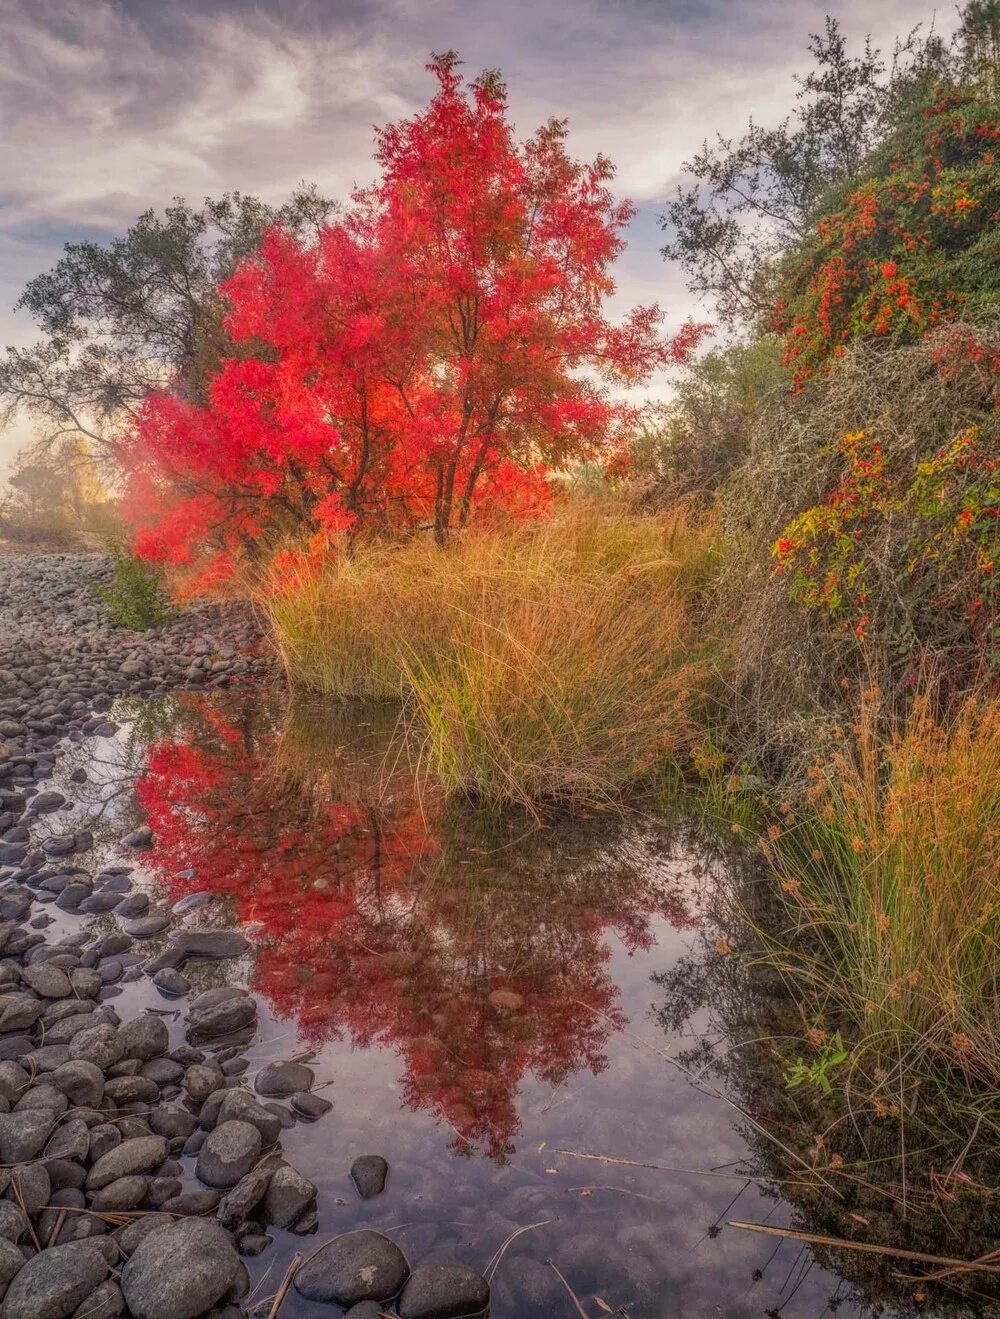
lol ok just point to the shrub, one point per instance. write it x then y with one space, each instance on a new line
690 446
909 243
554 660
858 535
891 877
134 598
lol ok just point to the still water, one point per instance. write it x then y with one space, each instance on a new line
519 1018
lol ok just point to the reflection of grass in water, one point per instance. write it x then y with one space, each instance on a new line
299 759
343 750
896 1168
397 917
322 752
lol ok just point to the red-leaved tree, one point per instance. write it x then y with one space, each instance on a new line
438 348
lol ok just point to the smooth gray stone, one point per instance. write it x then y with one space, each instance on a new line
180 1271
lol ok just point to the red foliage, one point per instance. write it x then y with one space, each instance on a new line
441 345
368 924
911 248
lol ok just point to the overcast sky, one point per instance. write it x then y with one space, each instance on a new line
110 106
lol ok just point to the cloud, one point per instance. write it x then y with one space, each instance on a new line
110 107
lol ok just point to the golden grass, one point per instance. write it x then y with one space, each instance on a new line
895 871
553 660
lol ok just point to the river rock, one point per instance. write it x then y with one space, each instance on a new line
172 1121
128 1237
43 1096
368 1173
121 1194
132 1090
195 1203
139 839
180 1271
23 1135
13 1221
86 981
11 1262
164 1071
193 901
289 1195
52 1284
146 926
229 1152
443 1291
240 1106
104 1136
144 1037
202 1080
105 1302
19 1011
279 1080
310 1106
138 1155
13 1080
212 944
218 1019
169 981
358 1266
48 980
100 1045
136 904
70 1140
44 802
244 1197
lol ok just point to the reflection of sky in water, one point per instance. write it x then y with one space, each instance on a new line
384 925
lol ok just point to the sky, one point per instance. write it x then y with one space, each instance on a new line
108 107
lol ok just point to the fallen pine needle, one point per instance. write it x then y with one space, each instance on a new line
286 1282
659 1167
489 1273
572 1294
984 1265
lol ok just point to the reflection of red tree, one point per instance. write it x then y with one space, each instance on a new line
371 923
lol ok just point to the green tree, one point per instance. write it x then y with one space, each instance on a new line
690 445
121 319
979 44
753 198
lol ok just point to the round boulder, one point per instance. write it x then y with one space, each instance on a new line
53 1283
444 1291
368 1173
180 1271
229 1152
358 1266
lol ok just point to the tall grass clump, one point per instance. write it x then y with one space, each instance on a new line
893 874
549 660
341 621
